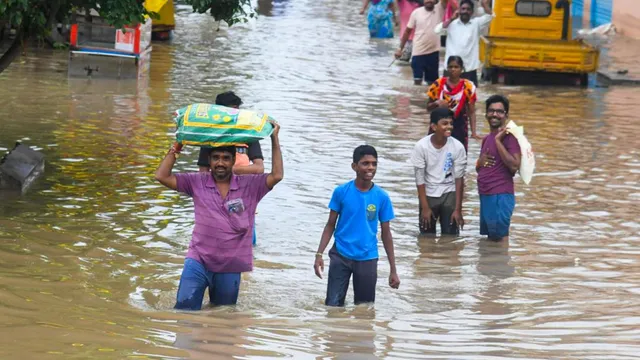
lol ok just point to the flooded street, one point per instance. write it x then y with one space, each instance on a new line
90 258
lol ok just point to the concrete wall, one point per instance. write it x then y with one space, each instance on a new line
626 17
625 14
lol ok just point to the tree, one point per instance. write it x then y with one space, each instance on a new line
34 18
229 11
37 18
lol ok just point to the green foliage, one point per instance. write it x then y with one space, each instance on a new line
229 11
118 12
60 46
24 14
35 17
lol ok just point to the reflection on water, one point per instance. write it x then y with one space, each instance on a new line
271 7
90 257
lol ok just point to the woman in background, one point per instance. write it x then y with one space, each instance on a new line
459 95
381 17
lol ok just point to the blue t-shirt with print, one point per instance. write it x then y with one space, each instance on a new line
358 216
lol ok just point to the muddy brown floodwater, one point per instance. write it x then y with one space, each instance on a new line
90 258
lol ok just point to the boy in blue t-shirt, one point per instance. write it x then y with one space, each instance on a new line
357 206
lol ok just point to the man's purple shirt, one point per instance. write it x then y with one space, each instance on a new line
497 179
222 235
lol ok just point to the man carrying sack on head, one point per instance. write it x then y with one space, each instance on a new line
225 205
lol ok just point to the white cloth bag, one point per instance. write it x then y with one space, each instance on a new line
528 161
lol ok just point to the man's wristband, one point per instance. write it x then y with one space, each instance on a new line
319 254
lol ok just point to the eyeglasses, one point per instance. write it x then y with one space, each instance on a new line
496 111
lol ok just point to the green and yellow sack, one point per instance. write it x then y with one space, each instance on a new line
215 125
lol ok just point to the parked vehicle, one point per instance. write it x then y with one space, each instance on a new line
100 50
531 41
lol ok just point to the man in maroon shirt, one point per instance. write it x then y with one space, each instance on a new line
498 162
249 159
224 206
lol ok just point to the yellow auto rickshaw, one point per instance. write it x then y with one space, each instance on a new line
532 40
165 23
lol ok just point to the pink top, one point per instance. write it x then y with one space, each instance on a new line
222 234
406 7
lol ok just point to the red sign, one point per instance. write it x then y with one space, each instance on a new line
125 40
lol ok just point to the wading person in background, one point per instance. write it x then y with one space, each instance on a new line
357 207
498 163
225 205
463 36
249 159
381 17
426 42
405 8
459 95
440 163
